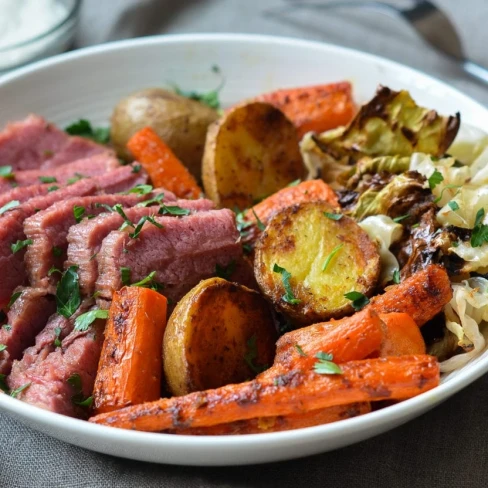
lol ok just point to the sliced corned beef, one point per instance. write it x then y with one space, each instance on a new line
121 179
34 143
22 194
25 319
96 165
48 230
86 238
49 387
185 251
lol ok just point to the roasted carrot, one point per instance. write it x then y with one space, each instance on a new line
402 336
162 166
281 423
129 371
314 108
422 295
293 392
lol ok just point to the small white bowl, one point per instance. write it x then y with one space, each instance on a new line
55 40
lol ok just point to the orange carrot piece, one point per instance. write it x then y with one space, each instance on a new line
422 295
130 367
315 108
162 166
402 336
394 378
281 423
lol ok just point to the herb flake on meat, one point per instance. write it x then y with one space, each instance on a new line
84 320
83 128
173 210
14 298
17 246
17 391
68 298
78 212
9 206
75 381
140 225
6 172
225 272
141 189
3 347
48 179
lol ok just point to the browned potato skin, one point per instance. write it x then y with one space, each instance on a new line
250 153
293 240
181 123
206 338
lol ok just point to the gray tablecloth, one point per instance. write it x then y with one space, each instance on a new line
447 447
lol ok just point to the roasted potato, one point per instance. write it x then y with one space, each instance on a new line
219 333
181 123
304 239
249 154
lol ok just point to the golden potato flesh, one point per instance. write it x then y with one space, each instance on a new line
219 333
250 153
303 241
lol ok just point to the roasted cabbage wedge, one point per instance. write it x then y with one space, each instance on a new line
219 333
309 257
250 153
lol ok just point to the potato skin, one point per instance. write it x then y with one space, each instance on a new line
206 339
181 123
299 239
250 153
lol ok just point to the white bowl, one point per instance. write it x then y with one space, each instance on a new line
89 82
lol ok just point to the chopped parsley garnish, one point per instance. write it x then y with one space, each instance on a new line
294 183
108 208
75 381
242 224
331 256
15 393
9 206
7 327
300 350
396 276
3 384
83 128
324 365
6 172
47 179
447 187
78 212
68 297
141 189
260 225
3 347
173 210
149 282
252 354
225 272
127 223
14 298
57 251
75 178
156 200
453 205
288 297
17 246
125 275
333 216
57 341
136 168
480 230
434 179
52 188
140 225
84 320
400 218
358 300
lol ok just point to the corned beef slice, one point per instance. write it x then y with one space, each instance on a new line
85 239
27 317
49 387
185 251
96 165
22 194
34 143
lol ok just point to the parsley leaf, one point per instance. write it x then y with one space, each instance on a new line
125 275
140 225
260 225
9 206
75 178
288 297
453 205
57 251
300 350
14 298
399 219
84 320
333 216
7 327
75 381
17 246
15 393
68 297
359 300
447 187
6 172
480 230
173 210
141 189
127 223
136 168
3 384
78 212
47 179
83 128
396 276
3 347
434 179
225 272
252 354
52 188
331 256
324 365
57 341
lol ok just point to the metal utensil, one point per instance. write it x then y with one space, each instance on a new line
430 22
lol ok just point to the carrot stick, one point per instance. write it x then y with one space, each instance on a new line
129 371
422 295
281 423
314 108
402 336
162 166
294 392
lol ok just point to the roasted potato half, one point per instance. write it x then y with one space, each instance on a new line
219 333
249 154
326 255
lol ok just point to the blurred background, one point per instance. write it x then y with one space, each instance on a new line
366 29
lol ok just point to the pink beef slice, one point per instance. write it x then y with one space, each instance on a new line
96 165
26 318
22 194
48 378
49 228
183 252
85 239
34 143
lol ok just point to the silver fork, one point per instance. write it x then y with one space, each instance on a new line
430 22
